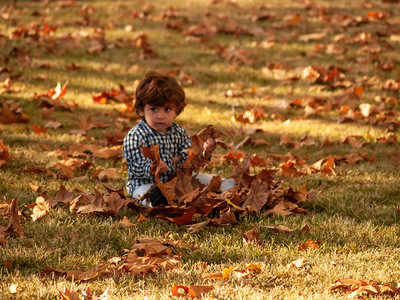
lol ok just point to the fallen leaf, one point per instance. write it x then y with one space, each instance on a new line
251 236
125 223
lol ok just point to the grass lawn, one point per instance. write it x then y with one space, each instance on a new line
312 85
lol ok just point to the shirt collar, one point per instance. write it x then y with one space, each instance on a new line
173 128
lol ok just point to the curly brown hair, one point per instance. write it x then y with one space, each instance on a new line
158 89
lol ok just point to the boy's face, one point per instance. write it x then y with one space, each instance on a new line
160 118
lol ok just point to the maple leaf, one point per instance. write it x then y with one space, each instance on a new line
63 196
258 196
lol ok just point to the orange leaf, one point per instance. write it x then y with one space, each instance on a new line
309 244
59 91
38 129
358 91
142 218
179 290
226 272
198 291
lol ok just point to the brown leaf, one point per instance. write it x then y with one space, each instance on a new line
125 223
7 116
257 197
298 263
309 244
4 154
14 225
251 236
168 189
68 295
280 228
88 124
64 171
198 291
63 196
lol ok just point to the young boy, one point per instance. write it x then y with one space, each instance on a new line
159 99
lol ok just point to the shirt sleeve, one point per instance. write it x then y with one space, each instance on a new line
138 165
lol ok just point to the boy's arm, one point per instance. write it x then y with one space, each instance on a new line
138 165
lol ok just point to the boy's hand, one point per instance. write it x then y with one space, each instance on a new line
162 167
209 147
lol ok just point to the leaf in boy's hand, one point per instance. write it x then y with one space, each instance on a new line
154 154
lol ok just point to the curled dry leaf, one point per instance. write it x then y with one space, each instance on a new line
40 209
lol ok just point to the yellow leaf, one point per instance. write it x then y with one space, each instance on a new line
226 272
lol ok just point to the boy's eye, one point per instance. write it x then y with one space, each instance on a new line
153 109
168 109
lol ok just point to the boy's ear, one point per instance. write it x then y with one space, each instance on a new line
141 112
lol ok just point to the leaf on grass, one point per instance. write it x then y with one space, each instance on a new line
66 294
142 218
198 291
251 236
11 116
298 263
219 275
309 244
14 225
280 228
63 196
125 223
257 197
105 174
358 288
40 209
63 171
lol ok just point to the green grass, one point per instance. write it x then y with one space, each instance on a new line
355 215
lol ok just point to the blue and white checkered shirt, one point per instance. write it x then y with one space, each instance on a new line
171 144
